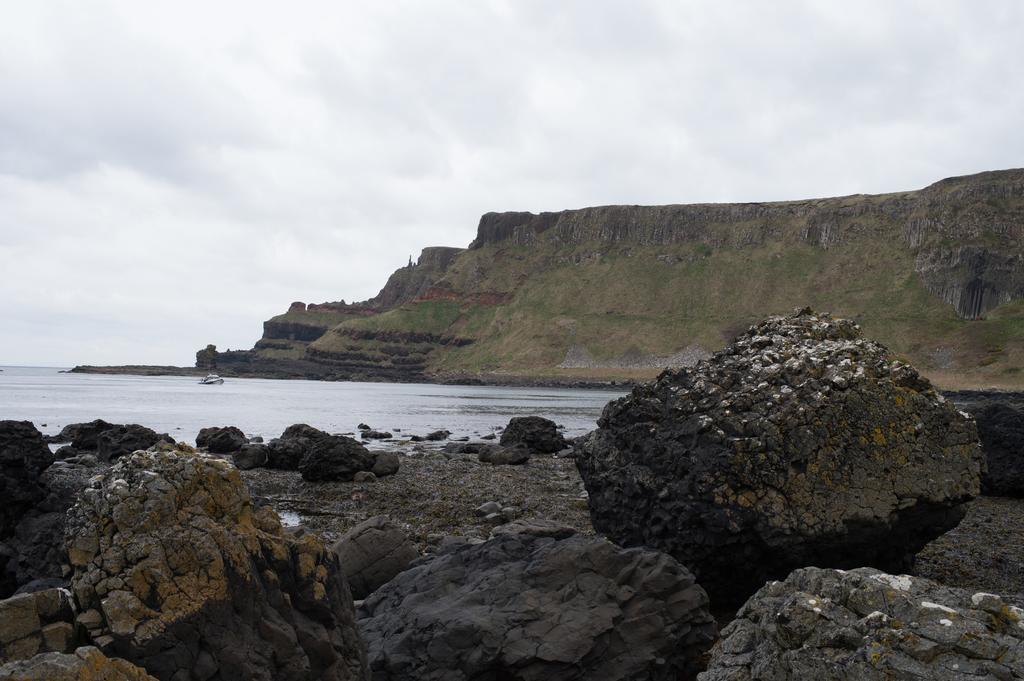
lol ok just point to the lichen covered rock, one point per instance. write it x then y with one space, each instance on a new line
177 571
527 607
84 664
831 625
800 444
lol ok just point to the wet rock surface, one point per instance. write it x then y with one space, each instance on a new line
799 444
523 606
535 433
866 624
176 571
221 440
372 553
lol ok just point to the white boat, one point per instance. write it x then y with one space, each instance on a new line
211 379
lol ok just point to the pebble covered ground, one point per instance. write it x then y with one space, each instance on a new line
985 552
432 496
436 495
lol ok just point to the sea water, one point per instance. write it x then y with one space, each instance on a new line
179 405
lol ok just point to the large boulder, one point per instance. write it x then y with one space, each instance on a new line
831 625
523 607
251 456
84 664
83 436
372 553
176 570
535 433
85 433
115 442
23 458
1001 429
286 452
335 457
799 444
221 440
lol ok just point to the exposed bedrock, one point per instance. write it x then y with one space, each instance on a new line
176 571
799 444
865 624
531 607
372 553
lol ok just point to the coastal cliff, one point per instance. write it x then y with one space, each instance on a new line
620 292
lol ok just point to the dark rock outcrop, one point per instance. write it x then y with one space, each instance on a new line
372 553
176 570
1001 429
375 435
528 607
866 624
23 458
117 441
534 432
84 433
84 664
799 444
83 436
335 457
251 456
286 452
224 440
385 463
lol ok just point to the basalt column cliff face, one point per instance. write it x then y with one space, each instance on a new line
623 291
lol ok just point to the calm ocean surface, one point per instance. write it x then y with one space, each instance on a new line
180 406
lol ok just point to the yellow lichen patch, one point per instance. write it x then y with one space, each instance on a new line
879 437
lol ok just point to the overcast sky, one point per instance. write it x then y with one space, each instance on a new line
172 174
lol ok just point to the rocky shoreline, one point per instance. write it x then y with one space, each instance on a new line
704 496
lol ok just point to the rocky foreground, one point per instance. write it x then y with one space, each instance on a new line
127 556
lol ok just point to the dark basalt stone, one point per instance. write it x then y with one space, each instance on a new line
120 440
523 607
537 434
372 553
799 444
23 458
81 435
251 456
221 440
335 457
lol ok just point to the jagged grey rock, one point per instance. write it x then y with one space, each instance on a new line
868 625
523 607
251 456
23 458
799 444
176 570
372 553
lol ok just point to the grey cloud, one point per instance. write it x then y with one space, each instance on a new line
173 174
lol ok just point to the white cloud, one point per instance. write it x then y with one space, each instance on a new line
171 174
